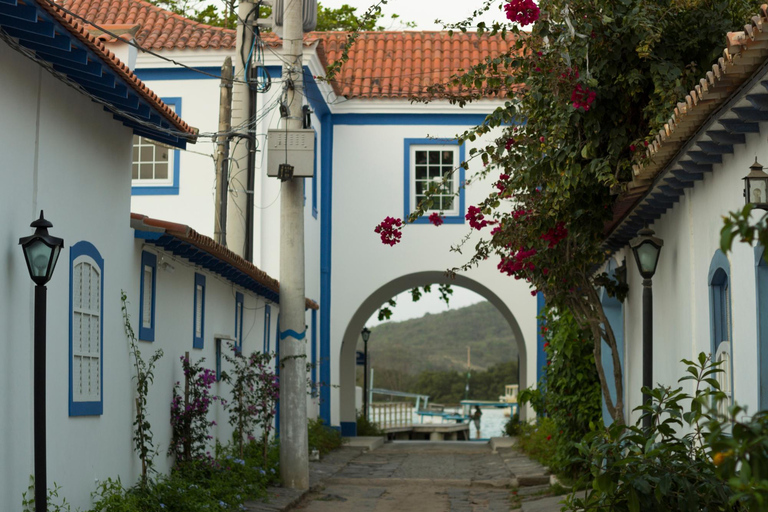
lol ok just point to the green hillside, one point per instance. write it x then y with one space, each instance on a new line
438 342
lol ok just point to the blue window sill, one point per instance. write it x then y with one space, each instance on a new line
154 191
452 219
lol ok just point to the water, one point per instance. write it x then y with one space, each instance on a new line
491 424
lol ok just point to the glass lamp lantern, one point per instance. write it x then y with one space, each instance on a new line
41 251
756 187
646 249
365 333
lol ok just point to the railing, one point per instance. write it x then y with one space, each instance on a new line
391 414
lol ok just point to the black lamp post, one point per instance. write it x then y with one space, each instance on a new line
756 187
41 251
365 333
646 249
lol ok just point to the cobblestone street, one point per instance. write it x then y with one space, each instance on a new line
420 477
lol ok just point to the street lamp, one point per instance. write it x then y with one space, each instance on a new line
756 186
646 248
365 333
41 252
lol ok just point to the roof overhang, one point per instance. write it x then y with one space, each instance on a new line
200 250
59 43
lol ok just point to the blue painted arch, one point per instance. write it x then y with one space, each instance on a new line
614 312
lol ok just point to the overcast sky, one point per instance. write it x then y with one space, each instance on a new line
423 12
429 303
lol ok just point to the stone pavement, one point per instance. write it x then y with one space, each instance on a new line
420 477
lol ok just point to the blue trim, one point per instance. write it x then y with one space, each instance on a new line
147 260
239 309
178 73
761 280
541 354
614 312
267 327
198 342
326 231
313 340
409 119
167 190
293 334
314 182
448 219
95 408
277 373
348 429
217 341
720 292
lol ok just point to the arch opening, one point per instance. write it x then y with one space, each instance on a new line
347 363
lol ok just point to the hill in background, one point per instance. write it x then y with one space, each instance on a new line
438 342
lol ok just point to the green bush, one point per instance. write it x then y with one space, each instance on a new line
539 441
660 469
366 427
322 437
570 392
513 427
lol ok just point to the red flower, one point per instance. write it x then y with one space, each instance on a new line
390 230
582 97
632 147
476 218
542 139
549 438
435 219
546 344
523 12
555 235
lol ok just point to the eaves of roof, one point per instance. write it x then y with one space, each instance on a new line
201 250
707 125
62 45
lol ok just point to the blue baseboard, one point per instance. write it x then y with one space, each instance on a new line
349 429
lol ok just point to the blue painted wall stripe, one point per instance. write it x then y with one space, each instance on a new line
326 215
409 119
178 73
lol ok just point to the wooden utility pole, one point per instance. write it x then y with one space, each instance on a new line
222 153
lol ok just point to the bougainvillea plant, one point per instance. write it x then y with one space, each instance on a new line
581 88
190 426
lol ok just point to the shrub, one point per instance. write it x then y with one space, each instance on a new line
513 427
366 427
322 437
539 441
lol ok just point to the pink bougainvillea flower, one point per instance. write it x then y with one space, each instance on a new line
435 219
555 235
523 12
581 97
390 230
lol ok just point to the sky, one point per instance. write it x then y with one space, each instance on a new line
429 303
423 12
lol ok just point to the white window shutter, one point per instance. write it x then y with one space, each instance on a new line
86 331
146 317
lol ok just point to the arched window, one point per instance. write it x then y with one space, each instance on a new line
761 275
720 322
614 312
86 311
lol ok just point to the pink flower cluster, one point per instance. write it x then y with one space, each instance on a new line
555 235
390 230
523 12
476 218
436 219
516 263
582 97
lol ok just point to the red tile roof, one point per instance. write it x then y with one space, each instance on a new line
381 64
76 28
208 245
160 29
744 53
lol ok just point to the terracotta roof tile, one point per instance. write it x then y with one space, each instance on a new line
208 245
97 45
744 53
160 29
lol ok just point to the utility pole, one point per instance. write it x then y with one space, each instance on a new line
294 456
239 222
222 153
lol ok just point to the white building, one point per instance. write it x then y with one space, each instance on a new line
69 110
369 136
703 300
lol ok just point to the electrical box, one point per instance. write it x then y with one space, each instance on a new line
293 147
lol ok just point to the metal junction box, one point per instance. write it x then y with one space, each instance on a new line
294 147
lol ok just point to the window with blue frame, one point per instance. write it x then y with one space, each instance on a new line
434 164
86 332
155 166
147 296
199 312
239 322
720 322
267 325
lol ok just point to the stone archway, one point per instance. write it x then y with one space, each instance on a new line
377 298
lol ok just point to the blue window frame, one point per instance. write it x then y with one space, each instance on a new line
217 341
198 328
720 321
614 313
147 296
86 330
267 325
239 322
156 168
433 161
314 182
314 346
761 275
